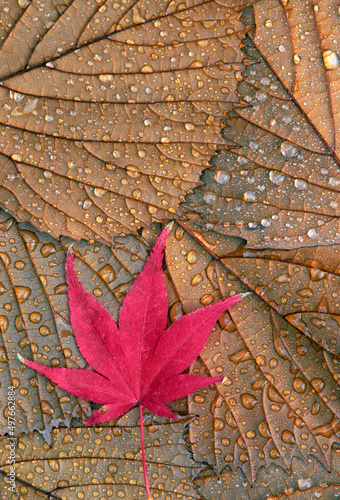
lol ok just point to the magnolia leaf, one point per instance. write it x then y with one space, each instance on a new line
278 187
103 462
280 395
34 318
110 111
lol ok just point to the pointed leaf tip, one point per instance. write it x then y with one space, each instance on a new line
170 226
70 248
21 358
246 294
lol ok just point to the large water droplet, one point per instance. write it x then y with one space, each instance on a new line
331 59
222 177
288 149
276 177
250 196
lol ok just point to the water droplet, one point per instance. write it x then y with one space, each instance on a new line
99 192
300 184
261 96
334 182
261 360
22 293
222 177
196 279
87 203
288 149
16 158
318 384
207 299
266 222
288 437
47 408
250 196
331 59
277 178
240 356
105 78
192 257
107 273
54 464
35 317
48 249
305 484
219 424
249 401
136 194
44 331
210 198
312 233
24 3
25 108
189 126
299 385
132 171
68 438
147 69
296 59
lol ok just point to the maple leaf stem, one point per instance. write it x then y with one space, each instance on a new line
143 453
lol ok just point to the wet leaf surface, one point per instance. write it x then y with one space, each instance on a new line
34 315
280 395
111 110
121 124
103 462
306 481
278 187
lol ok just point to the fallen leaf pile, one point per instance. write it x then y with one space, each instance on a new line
112 109
139 363
224 116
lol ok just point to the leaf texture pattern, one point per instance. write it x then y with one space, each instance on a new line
278 187
103 462
112 109
280 394
107 121
306 481
34 315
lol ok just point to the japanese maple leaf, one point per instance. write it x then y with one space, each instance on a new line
140 362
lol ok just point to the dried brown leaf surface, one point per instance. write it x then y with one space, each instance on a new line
278 350
111 110
278 187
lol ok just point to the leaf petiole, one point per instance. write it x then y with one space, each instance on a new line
143 453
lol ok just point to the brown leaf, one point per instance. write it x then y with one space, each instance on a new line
102 462
34 316
306 481
110 111
278 187
281 395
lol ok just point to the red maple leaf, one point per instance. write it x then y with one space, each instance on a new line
141 361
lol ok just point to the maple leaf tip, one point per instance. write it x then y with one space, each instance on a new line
21 358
